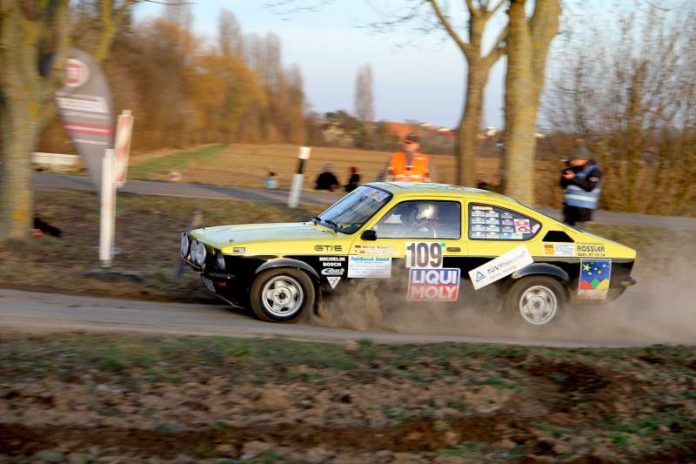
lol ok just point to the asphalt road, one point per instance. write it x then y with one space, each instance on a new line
47 181
44 312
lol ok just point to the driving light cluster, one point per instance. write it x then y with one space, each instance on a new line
198 252
184 244
220 261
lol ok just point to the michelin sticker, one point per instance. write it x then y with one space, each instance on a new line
332 265
429 284
375 267
500 267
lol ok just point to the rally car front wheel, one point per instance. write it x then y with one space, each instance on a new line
536 300
282 295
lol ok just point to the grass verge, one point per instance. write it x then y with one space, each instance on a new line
212 398
177 161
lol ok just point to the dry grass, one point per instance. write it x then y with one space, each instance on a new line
246 165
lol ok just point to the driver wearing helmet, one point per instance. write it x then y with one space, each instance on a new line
420 219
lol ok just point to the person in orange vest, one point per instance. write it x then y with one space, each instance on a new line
409 165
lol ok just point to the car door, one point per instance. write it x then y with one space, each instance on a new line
407 228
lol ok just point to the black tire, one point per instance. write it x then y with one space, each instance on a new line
536 301
294 305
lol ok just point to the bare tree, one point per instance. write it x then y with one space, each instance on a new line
627 87
33 42
479 64
230 38
364 96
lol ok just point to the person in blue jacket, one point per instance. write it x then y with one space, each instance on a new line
582 181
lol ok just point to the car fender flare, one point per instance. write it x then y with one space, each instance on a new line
542 269
288 262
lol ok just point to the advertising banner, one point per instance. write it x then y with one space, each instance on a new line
85 105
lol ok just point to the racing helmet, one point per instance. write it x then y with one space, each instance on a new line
418 213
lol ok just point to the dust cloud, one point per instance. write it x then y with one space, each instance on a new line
661 308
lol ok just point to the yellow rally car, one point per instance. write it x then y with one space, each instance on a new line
444 243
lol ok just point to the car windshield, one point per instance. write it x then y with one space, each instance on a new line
349 213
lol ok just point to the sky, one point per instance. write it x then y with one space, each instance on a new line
417 76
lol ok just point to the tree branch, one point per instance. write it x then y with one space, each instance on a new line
463 46
473 11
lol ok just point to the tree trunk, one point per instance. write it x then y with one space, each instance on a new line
520 111
21 96
470 124
527 50
16 206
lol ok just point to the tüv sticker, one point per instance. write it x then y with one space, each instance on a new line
500 267
428 284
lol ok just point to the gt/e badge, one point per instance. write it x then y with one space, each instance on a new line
338 248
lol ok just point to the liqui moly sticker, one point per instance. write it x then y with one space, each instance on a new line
433 284
500 267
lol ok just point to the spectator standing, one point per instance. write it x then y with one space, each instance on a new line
481 182
327 180
409 164
581 179
270 182
353 179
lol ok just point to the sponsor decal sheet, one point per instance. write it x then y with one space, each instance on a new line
500 267
427 279
595 277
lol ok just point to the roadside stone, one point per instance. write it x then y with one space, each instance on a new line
407 458
272 399
453 460
254 449
351 346
50 457
384 456
560 447
317 455
225 450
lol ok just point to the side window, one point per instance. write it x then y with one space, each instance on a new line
422 219
493 223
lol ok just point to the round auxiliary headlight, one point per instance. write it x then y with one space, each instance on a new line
194 251
201 253
220 261
184 244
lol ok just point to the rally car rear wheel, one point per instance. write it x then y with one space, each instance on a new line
280 295
536 300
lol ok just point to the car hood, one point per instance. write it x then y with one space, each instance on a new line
222 237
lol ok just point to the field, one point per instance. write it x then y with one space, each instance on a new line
104 399
246 165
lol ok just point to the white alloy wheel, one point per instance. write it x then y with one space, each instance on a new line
538 305
282 296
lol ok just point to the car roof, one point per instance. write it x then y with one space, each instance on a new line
428 188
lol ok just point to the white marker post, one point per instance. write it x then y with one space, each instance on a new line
298 178
124 131
108 209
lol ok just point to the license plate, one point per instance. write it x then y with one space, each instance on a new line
208 284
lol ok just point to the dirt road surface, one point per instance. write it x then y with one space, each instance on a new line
42 312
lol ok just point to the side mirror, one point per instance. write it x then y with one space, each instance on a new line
369 235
